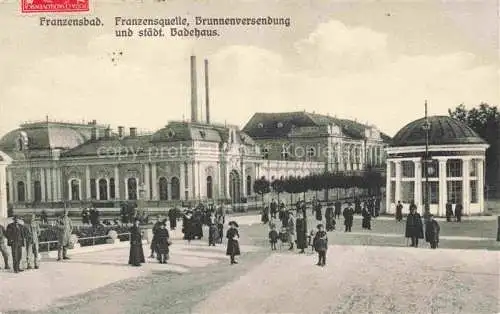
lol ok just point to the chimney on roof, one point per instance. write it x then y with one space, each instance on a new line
120 131
194 91
207 98
94 122
107 132
133 132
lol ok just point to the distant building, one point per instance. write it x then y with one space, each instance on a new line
56 164
455 169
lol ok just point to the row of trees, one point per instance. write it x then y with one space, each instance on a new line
370 180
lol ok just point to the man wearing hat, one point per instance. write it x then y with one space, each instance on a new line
15 237
321 245
348 217
3 247
432 231
291 229
65 230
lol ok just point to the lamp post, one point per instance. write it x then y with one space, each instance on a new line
426 127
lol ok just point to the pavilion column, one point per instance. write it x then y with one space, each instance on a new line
397 194
42 185
466 185
198 180
87 182
219 185
388 195
418 184
243 182
3 187
60 183
11 186
228 182
194 181
182 182
147 184
117 183
154 182
480 184
55 184
442 187
28 187
49 184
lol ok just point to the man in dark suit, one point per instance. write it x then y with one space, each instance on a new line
15 238
3 247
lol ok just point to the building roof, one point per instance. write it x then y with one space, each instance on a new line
278 125
444 130
110 147
47 135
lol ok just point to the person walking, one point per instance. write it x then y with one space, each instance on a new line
33 231
414 227
367 217
136 255
213 232
274 208
15 237
155 229
338 209
399 212
3 247
291 229
273 237
233 246
172 218
163 243
459 211
449 211
432 230
65 230
321 245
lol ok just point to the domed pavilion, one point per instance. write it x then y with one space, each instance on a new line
454 166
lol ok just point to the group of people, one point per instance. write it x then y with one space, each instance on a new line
24 235
91 216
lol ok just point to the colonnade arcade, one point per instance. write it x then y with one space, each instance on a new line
454 179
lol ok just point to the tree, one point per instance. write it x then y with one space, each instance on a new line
261 186
278 187
485 121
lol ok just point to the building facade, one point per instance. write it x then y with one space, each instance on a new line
454 169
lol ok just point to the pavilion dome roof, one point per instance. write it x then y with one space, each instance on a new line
444 130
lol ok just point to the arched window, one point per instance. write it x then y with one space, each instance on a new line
132 188
103 189
163 188
93 190
38 191
176 193
249 185
75 190
112 188
21 192
209 187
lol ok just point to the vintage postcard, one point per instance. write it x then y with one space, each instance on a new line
249 156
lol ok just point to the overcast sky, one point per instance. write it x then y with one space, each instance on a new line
373 61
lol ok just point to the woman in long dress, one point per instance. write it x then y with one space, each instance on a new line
136 256
233 246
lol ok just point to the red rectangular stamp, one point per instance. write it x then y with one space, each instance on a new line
38 6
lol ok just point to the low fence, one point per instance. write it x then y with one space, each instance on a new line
52 245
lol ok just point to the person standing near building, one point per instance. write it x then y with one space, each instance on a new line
273 236
274 208
32 242
65 230
172 218
459 211
338 209
233 246
348 217
15 237
367 217
3 247
449 211
155 229
301 232
414 229
290 227
399 211
321 245
432 230
162 243
329 217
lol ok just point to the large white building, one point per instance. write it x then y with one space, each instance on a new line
455 168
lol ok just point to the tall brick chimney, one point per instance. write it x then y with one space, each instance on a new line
207 98
194 91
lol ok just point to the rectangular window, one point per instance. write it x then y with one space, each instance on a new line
112 188
408 169
432 193
407 191
454 168
454 191
473 168
393 169
473 192
93 191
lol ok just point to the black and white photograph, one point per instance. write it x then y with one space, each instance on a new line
249 156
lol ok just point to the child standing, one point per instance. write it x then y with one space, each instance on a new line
321 245
273 237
